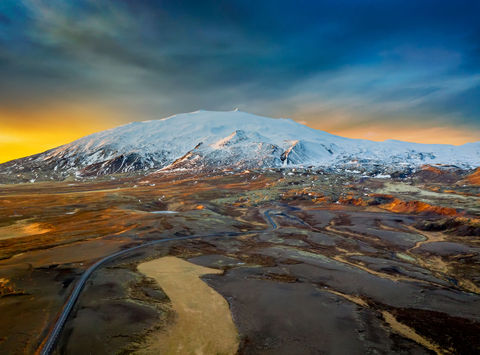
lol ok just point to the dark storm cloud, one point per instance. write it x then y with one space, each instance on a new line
378 60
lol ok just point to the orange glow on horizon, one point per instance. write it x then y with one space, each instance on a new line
19 145
344 123
433 135
28 132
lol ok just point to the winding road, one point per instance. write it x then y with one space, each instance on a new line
49 344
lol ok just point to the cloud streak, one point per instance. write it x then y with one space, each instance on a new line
334 64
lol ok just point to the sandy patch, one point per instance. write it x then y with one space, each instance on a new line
23 229
410 333
203 322
393 188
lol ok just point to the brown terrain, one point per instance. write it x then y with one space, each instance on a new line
346 265
474 178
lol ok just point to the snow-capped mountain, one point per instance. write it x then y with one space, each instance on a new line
209 140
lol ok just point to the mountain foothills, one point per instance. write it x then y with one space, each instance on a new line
234 140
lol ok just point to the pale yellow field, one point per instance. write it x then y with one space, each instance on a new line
203 322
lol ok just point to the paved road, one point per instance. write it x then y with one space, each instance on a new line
48 346
269 219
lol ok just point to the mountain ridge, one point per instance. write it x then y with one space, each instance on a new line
231 139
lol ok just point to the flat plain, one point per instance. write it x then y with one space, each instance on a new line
303 262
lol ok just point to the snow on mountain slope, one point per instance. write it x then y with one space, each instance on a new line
206 139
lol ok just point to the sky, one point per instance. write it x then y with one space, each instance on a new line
385 69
